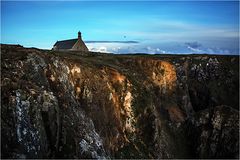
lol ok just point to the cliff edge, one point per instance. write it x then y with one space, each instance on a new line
94 105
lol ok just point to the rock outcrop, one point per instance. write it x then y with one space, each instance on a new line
94 105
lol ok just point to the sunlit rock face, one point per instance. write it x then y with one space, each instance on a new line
92 105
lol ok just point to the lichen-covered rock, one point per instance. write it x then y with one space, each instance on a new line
92 105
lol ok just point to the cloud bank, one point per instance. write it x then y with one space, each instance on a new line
111 42
160 48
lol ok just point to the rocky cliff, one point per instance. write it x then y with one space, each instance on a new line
92 105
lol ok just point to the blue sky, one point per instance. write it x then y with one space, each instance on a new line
158 27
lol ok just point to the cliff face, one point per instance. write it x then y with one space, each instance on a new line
78 105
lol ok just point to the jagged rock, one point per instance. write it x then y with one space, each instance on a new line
214 132
92 105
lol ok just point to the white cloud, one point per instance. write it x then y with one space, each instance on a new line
103 49
177 48
195 49
98 49
125 48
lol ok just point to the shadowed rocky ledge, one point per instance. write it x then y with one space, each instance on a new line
94 105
